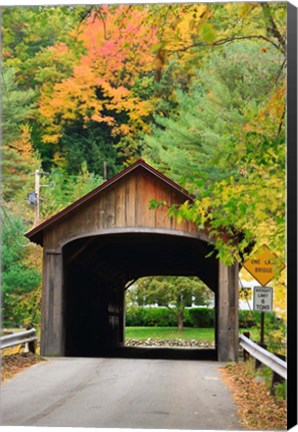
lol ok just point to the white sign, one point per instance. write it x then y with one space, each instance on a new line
263 299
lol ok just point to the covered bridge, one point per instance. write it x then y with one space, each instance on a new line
109 237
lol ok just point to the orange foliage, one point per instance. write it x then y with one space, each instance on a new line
23 143
118 45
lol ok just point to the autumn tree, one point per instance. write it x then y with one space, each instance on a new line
100 94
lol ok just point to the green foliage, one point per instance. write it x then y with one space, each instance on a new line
62 189
199 141
29 31
169 291
20 279
92 145
149 316
137 316
231 104
280 391
174 292
201 317
253 318
16 106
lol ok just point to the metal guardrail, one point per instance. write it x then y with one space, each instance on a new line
273 362
18 338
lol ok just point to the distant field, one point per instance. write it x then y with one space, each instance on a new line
202 334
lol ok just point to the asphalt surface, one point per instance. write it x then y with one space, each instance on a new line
119 393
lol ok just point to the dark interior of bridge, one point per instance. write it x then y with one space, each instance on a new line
96 270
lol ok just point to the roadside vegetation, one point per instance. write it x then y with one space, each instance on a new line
15 360
258 409
12 364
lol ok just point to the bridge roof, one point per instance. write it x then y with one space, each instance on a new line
36 234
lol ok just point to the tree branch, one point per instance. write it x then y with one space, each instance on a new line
98 12
224 41
281 122
271 26
84 16
280 70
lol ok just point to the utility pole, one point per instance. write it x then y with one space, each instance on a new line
37 187
105 176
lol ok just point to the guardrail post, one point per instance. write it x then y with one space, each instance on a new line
276 379
258 364
245 353
32 346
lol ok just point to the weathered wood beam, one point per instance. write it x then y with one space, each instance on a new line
52 326
227 313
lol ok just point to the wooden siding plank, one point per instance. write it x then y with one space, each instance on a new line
149 215
120 205
163 194
130 201
140 199
110 205
178 199
103 222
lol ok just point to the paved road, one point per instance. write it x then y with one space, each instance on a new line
119 393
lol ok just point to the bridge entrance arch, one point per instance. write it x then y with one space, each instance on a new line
109 237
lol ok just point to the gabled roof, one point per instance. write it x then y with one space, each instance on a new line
36 234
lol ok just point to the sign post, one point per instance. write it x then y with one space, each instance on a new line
262 302
263 267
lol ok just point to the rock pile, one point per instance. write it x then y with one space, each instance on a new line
183 343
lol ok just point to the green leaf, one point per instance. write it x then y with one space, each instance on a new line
208 33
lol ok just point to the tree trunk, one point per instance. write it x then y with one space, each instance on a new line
180 317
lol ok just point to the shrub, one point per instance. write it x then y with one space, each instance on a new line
162 317
201 317
140 316
134 317
159 317
248 319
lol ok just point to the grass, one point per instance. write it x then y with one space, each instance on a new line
169 333
203 334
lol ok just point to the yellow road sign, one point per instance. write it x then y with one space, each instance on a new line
264 266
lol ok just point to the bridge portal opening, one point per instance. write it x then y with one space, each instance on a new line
169 311
97 271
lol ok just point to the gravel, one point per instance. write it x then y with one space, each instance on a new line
184 343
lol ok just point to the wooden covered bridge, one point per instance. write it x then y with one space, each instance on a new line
109 237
